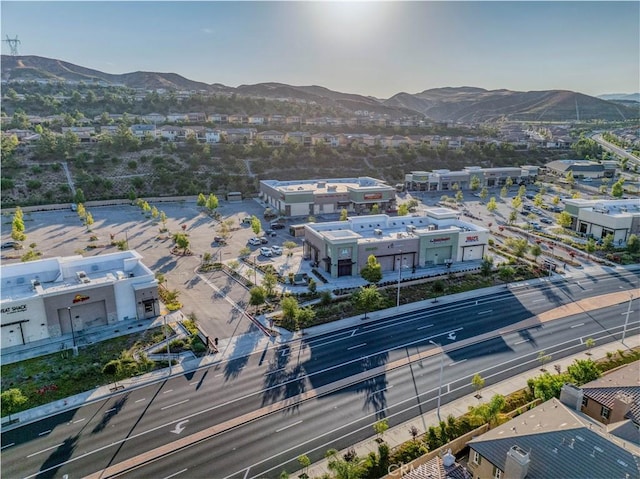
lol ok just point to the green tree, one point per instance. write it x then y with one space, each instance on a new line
88 221
522 191
546 386
489 413
589 343
617 190
344 214
81 211
543 358
535 251
9 144
212 203
492 205
519 246
79 196
201 201
114 370
163 220
513 216
506 273
569 178
564 219
484 192
503 192
516 202
459 196
590 247
478 383
257 297
403 210
269 282
607 243
304 462
556 200
368 299
538 200
182 241
633 244
438 289
375 209
256 226
582 371
486 267
372 272
11 400
474 183
343 469
380 427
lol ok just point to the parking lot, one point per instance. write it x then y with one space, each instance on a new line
61 233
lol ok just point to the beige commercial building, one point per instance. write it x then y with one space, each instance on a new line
600 218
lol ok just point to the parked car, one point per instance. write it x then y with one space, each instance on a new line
246 220
11 245
255 241
266 251
546 220
270 232
269 213
277 226
277 250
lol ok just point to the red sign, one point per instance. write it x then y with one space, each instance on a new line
79 298
373 196
472 238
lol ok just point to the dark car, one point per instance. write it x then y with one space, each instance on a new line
277 226
270 233
547 221
263 240
11 245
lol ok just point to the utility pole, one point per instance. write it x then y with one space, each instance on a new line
626 321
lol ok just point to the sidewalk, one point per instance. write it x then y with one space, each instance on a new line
400 434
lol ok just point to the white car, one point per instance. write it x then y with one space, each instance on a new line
276 250
264 251
255 241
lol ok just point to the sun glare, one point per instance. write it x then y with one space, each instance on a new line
349 20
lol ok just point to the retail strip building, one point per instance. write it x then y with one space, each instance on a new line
51 297
341 248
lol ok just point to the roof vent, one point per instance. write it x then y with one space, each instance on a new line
449 459
82 277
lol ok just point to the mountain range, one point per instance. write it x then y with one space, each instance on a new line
451 104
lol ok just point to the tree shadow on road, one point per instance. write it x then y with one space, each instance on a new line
59 456
109 414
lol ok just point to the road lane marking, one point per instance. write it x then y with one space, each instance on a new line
538 300
110 410
425 327
522 341
357 346
290 425
218 375
175 473
44 432
577 325
7 445
45 450
457 362
140 400
167 391
172 405
274 371
194 383
80 420
624 314
354 332
485 312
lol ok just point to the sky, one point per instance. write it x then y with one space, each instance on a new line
366 47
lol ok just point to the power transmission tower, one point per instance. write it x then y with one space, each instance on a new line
13 44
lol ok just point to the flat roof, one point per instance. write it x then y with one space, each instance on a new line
320 186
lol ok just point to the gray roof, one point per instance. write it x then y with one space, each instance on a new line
561 444
623 380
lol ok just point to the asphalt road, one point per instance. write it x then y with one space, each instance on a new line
262 427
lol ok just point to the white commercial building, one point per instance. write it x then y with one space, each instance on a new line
341 248
600 218
50 297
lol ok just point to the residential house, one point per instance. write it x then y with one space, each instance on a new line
552 441
271 137
325 138
154 118
239 135
256 120
300 137
294 120
176 117
277 120
212 136
196 117
394 141
614 397
219 118
171 132
141 130
238 119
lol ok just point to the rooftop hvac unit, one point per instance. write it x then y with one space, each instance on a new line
431 227
411 228
82 277
377 232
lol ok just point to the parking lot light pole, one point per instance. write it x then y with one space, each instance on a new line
399 278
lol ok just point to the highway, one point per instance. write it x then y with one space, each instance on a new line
621 152
265 409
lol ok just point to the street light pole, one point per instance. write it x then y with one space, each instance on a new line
440 385
626 321
167 340
73 333
399 278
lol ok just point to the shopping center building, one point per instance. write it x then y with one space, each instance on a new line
341 248
443 180
600 218
316 197
51 297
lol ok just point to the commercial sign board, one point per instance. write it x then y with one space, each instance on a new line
470 239
442 239
372 196
79 298
20 308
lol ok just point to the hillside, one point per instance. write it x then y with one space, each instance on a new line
463 104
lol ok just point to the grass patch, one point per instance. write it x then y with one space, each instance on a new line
59 375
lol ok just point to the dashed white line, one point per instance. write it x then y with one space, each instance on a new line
538 300
45 450
110 410
218 375
290 425
425 327
140 400
457 362
522 341
357 346
44 432
274 371
80 420
175 473
194 383
577 325
624 314
172 405
167 391
7 445
485 312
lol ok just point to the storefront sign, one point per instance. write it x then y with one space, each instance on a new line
471 238
440 240
21 308
373 196
79 298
